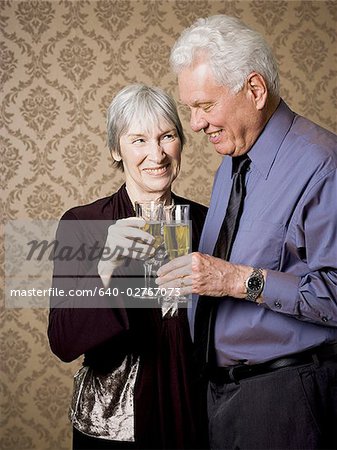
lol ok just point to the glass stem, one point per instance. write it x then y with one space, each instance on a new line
148 272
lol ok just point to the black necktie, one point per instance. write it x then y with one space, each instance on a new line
231 221
207 306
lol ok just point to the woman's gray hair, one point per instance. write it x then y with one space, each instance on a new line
144 105
232 49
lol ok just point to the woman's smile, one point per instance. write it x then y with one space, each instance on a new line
157 171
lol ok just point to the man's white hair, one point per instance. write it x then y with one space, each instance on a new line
232 49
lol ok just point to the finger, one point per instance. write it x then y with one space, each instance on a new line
176 274
175 279
186 291
182 262
177 288
126 247
130 221
130 232
141 251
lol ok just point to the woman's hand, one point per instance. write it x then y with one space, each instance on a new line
125 239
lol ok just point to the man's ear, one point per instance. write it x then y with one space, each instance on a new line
257 89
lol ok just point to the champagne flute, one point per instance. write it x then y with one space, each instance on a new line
177 239
152 213
177 230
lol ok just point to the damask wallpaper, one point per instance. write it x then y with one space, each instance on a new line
60 64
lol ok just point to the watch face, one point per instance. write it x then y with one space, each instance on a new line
254 283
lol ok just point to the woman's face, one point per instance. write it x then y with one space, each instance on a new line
151 159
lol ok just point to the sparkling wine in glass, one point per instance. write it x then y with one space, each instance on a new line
177 237
152 213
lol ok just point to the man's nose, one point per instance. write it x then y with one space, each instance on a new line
197 121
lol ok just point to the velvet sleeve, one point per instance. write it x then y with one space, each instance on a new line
83 317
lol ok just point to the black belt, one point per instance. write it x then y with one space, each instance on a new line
233 374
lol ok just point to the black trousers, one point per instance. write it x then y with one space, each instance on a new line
84 442
288 409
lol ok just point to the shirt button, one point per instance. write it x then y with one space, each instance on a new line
324 319
278 305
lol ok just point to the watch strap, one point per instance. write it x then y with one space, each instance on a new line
254 285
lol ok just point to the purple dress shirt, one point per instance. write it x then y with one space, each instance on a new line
289 227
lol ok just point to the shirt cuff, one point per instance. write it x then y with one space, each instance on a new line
281 292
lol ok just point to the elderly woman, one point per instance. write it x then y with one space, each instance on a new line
136 388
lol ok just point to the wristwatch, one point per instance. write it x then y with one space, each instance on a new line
254 285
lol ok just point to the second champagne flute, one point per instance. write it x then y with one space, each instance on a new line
177 235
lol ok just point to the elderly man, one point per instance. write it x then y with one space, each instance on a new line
265 318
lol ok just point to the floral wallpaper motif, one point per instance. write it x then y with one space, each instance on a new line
35 17
14 354
77 61
39 110
10 161
61 62
80 156
45 200
7 63
114 15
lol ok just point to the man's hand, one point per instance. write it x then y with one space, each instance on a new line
203 274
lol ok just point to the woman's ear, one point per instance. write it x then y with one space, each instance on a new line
115 155
257 89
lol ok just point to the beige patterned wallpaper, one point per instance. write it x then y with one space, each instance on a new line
60 64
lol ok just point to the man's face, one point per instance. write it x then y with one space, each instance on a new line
231 121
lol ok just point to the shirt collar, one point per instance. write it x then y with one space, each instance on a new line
265 149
